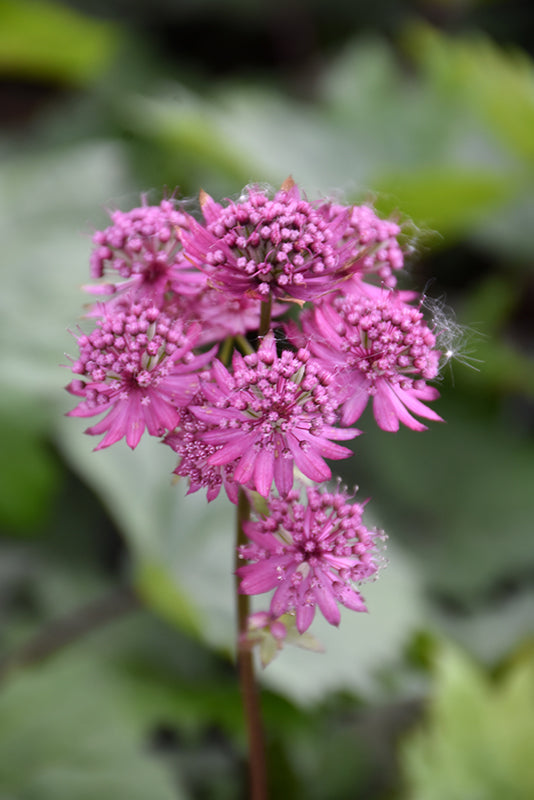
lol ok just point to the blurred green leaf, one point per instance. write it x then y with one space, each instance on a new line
163 596
30 472
186 129
497 83
447 199
191 542
65 734
477 739
46 223
49 41
449 494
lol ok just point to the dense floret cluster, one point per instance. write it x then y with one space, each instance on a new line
249 340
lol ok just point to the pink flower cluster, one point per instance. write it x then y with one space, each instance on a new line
250 342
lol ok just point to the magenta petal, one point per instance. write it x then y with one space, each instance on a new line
245 469
350 598
135 424
222 377
354 407
326 601
309 463
280 599
232 450
159 416
84 410
384 412
258 578
339 433
264 472
392 411
413 404
283 474
304 617
114 423
325 328
330 450
268 346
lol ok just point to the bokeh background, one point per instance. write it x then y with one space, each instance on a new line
117 678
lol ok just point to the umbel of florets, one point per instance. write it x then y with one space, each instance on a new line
264 247
249 339
312 553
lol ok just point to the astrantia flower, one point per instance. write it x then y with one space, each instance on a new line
139 367
143 248
312 554
194 454
370 243
379 348
271 413
258 246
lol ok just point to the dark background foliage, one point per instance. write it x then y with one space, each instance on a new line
115 598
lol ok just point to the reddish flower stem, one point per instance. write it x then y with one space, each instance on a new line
245 662
249 690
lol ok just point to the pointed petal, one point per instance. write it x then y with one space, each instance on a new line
258 578
245 469
305 616
234 449
264 471
326 599
309 463
389 410
411 402
351 598
354 407
283 474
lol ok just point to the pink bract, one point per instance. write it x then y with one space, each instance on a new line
311 553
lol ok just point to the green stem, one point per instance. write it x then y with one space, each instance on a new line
249 691
265 316
245 346
226 350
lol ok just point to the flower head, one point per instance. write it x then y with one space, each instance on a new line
261 246
378 347
143 248
272 413
311 553
138 366
371 243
